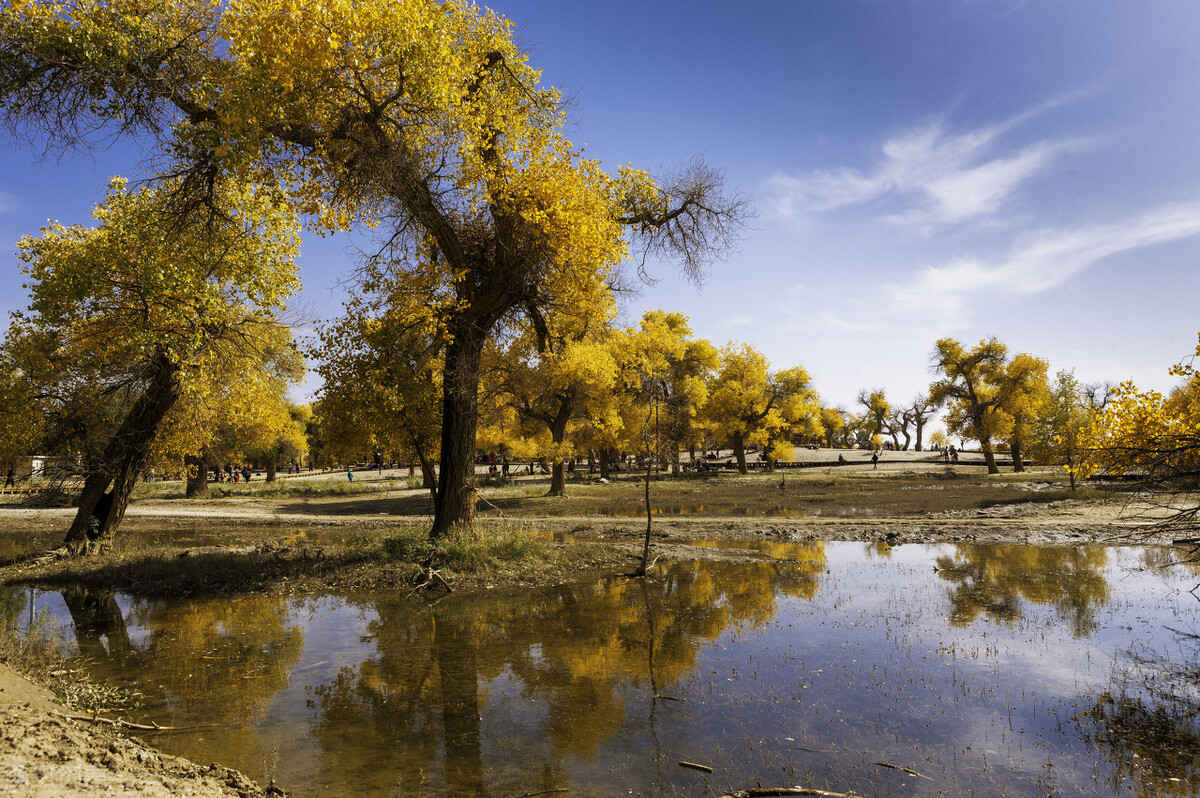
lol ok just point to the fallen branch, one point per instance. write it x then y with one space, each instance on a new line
694 766
909 771
542 792
497 509
125 724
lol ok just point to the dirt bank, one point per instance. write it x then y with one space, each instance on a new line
43 753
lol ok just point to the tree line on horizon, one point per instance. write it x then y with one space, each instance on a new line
483 311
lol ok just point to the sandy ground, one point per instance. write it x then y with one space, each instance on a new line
43 753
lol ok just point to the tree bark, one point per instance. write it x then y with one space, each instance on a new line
454 504
1017 455
605 456
558 434
739 451
101 510
989 456
197 477
272 469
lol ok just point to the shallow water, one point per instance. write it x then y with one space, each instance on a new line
987 670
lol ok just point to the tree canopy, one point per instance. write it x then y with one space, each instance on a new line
128 316
423 118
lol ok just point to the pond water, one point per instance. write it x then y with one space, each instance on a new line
908 671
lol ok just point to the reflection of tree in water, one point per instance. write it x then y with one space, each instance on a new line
1150 730
202 661
413 711
97 618
993 580
13 601
1154 748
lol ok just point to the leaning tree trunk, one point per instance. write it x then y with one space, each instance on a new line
101 510
1017 455
989 456
197 477
454 505
739 451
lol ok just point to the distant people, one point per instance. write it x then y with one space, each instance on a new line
9 481
349 475
874 459
953 455
841 459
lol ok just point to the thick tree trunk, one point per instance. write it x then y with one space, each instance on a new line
272 469
605 456
454 503
558 434
101 510
739 451
197 477
989 456
1017 455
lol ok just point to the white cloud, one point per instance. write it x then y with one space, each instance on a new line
1045 260
7 202
948 178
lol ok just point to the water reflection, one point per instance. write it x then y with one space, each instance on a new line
576 654
806 667
998 580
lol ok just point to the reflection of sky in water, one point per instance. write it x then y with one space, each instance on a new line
806 672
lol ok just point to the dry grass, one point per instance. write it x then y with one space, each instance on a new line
825 492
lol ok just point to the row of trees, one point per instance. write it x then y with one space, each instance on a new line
422 121
497 252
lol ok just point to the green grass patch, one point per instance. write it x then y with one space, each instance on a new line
491 551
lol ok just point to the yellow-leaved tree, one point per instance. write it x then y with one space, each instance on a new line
664 363
557 372
748 405
987 396
421 117
1157 439
150 305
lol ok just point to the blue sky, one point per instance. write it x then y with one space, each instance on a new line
1024 170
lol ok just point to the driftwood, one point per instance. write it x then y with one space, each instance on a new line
125 724
543 792
764 792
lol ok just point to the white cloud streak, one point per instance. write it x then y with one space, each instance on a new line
1043 261
948 178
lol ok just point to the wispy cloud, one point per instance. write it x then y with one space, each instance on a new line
947 177
1042 261
7 202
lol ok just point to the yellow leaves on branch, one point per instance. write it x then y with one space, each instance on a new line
150 279
1144 432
